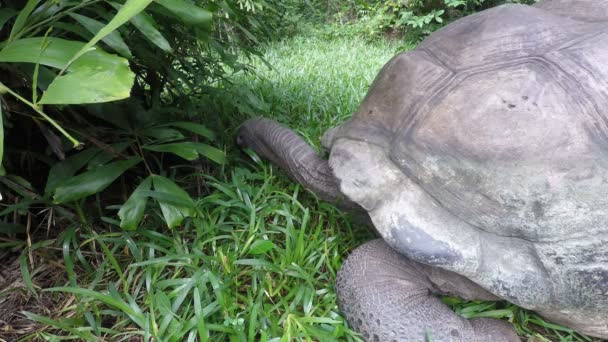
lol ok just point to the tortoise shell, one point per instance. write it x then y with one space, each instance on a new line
484 151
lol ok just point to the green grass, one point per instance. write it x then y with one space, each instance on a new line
259 262
317 83
256 265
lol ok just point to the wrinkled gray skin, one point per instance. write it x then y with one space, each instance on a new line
481 158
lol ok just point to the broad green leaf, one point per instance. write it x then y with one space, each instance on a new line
113 39
56 53
106 155
173 215
130 9
146 25
168 198
190 150
5 15
132 211
91 182
96 77
90 86
260 247
179 149
187 12
67 168
48 9
247 33
194 128
209 152
22 18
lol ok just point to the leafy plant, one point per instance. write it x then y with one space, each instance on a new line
121 81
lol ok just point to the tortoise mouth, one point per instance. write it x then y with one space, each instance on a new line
239 140
245 135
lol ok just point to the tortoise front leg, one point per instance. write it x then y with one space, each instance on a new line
387 297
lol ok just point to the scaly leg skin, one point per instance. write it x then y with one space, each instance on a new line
293 155
387 297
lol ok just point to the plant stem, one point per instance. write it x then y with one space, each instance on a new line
76 143
143 157
55 17
81 216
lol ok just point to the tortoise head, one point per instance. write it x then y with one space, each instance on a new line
257 134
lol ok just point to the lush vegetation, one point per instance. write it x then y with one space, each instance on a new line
128 213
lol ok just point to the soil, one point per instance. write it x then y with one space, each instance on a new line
15 297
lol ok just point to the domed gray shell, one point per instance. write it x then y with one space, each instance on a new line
484 151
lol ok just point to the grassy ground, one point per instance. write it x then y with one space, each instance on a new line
259 262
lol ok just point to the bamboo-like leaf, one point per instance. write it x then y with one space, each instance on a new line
187 12
168 198
179 149
146 25
208 152
132 211
194 128
130 9
113 39
91 182
56 53
67 168
22 17
190 150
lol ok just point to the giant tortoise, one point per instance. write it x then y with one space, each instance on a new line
481 158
